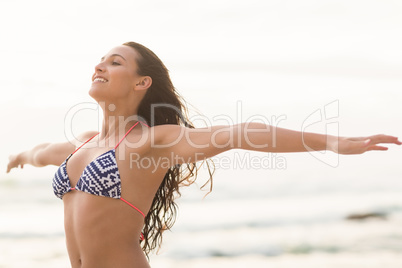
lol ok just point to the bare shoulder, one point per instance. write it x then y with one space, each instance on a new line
166 132
144 140
83 137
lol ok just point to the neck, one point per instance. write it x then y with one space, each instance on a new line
117 120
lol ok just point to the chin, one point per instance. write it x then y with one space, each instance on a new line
96 94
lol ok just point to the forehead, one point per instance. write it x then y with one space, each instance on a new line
128 53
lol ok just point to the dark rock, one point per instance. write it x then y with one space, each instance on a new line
364 216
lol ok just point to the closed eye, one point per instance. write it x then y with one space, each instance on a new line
115 63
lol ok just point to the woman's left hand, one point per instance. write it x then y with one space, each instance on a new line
359 145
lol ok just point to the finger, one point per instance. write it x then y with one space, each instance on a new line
385 139
9 168
391 139
377 148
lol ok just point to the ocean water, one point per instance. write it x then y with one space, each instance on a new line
324 66
267 222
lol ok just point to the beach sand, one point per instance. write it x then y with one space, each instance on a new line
346 260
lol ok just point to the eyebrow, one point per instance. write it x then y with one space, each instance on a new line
113 56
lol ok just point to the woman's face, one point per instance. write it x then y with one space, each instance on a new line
116 75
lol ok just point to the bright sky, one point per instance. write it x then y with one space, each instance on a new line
50 47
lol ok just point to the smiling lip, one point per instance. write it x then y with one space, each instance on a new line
100 79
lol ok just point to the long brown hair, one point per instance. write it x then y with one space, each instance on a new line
162 104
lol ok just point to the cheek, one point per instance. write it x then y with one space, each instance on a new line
121 85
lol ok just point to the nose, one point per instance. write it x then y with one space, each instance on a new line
100 67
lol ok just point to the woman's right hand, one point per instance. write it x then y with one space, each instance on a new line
14 161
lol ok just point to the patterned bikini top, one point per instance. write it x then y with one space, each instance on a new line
100 177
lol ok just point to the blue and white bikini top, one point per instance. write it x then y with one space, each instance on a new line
100 177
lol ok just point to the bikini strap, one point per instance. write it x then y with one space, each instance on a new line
129 132
85 143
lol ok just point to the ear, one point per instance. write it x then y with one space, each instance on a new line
143 83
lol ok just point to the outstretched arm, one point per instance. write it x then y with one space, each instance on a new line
41 155
191 145
44 154
260 137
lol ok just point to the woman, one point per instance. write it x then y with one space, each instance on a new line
118 187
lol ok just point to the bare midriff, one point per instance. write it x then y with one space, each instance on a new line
102 232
